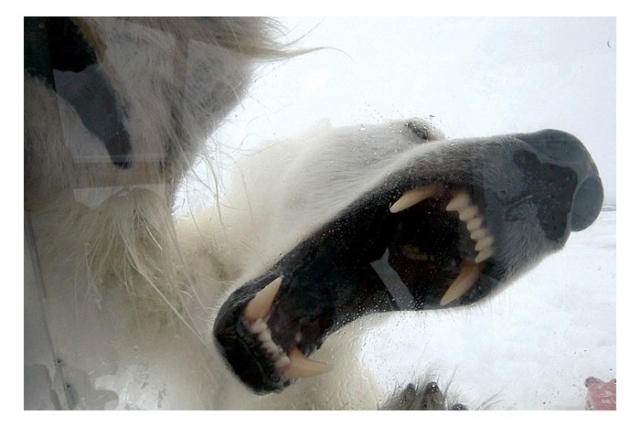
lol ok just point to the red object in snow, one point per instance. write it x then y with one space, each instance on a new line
600 395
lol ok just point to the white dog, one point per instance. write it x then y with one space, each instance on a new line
228 308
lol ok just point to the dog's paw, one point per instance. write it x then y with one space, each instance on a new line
421 397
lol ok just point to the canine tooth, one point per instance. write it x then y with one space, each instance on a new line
260 305
466 279
301 366
484 254
459 202
484 243
479 234
413 197
474 224
468 213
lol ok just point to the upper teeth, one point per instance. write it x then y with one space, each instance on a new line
468 213
413 197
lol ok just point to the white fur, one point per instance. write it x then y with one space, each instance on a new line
129 296
131 291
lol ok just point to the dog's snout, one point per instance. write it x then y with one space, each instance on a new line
559 147
587 203
565 151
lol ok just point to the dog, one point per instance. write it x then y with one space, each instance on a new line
261 300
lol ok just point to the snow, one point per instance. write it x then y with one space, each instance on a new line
530 347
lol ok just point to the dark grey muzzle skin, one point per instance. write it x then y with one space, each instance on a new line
532 190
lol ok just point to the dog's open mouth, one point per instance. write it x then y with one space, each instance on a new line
428 249
441 239
424 238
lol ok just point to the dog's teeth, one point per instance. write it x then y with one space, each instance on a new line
484 243
270 347
294 366
459 202
466 279
301 366
479 234
484 254
413 197
468 213
474 224
265 336
260 305
258 327
282 362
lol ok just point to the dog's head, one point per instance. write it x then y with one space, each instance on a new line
392 217
415 222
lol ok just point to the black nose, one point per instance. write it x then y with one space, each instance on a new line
566 151
587 203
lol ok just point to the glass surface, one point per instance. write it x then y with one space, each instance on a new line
247 203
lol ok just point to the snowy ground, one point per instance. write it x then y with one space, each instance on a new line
532 346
